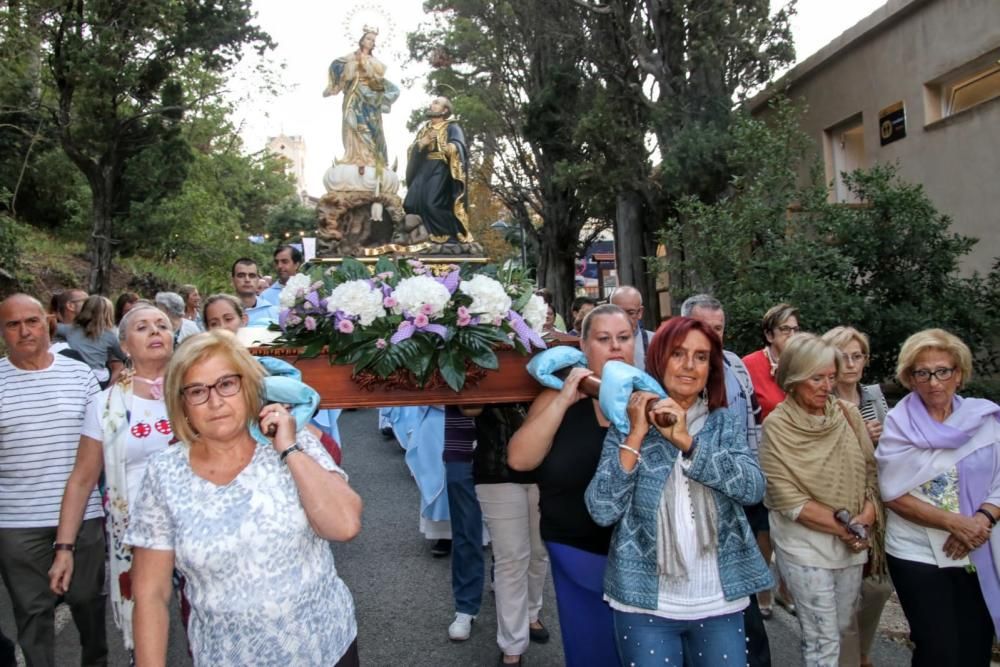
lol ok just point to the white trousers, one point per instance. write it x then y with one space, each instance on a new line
520 561
827 601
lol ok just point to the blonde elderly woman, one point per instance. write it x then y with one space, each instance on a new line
939 472
122 430
245 518
817 457
854 351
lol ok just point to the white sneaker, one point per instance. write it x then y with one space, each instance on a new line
461 627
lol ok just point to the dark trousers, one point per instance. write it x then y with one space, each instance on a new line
25 558
950 625
758 647
466 537
351 658
585 619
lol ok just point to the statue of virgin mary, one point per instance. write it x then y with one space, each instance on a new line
360 76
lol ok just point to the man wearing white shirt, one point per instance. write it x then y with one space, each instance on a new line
259 312
43 400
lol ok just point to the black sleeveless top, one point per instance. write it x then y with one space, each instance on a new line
563 478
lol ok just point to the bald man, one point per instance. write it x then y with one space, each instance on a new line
629 299
43 398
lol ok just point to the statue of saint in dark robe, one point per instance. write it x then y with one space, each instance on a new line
437 175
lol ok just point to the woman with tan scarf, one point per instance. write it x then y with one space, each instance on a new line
818 460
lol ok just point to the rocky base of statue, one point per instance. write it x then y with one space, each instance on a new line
352 223
454 250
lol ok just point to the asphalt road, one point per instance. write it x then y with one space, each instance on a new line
402 594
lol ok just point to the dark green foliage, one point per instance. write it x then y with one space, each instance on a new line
110 82
10 254
888 267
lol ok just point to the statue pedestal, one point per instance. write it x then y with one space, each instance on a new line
352 217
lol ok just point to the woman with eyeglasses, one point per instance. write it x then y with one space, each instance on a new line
875 587
780 323
126 427
822 495
245 517
939 474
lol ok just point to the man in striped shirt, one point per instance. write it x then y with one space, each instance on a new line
43 399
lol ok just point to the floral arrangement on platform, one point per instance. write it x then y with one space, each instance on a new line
401 318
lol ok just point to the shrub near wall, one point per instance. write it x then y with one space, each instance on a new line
888 267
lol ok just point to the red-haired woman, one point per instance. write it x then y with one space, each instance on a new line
683 561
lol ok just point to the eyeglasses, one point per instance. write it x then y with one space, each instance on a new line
225 386
786 330
855 359
923 375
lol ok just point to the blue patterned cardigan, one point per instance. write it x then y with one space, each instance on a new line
722 462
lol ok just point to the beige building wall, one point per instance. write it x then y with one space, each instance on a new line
912 51
293 149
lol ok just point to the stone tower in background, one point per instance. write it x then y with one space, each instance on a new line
292 149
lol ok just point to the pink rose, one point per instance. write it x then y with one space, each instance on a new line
345 327
310 323
420 321
390 302
380 343
427 309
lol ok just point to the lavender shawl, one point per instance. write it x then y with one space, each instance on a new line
914 448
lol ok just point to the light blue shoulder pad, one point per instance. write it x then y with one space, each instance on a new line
279 367
618 382
303 399
544 364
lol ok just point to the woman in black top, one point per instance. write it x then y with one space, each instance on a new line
561 440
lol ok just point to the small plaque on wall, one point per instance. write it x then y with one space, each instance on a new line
892 123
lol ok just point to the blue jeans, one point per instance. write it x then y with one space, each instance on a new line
644 639
466 537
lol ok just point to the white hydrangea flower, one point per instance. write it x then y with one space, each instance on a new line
296 287
413 293
534 312
356 298
488 297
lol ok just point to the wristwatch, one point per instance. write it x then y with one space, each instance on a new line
62 546
294 448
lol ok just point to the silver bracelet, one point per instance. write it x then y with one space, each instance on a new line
638 456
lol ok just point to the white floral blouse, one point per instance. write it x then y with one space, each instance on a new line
263 586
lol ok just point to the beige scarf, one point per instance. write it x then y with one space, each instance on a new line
811 457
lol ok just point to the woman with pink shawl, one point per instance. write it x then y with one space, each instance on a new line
939 474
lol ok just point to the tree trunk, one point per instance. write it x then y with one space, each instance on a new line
100 246
557 271
631 251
